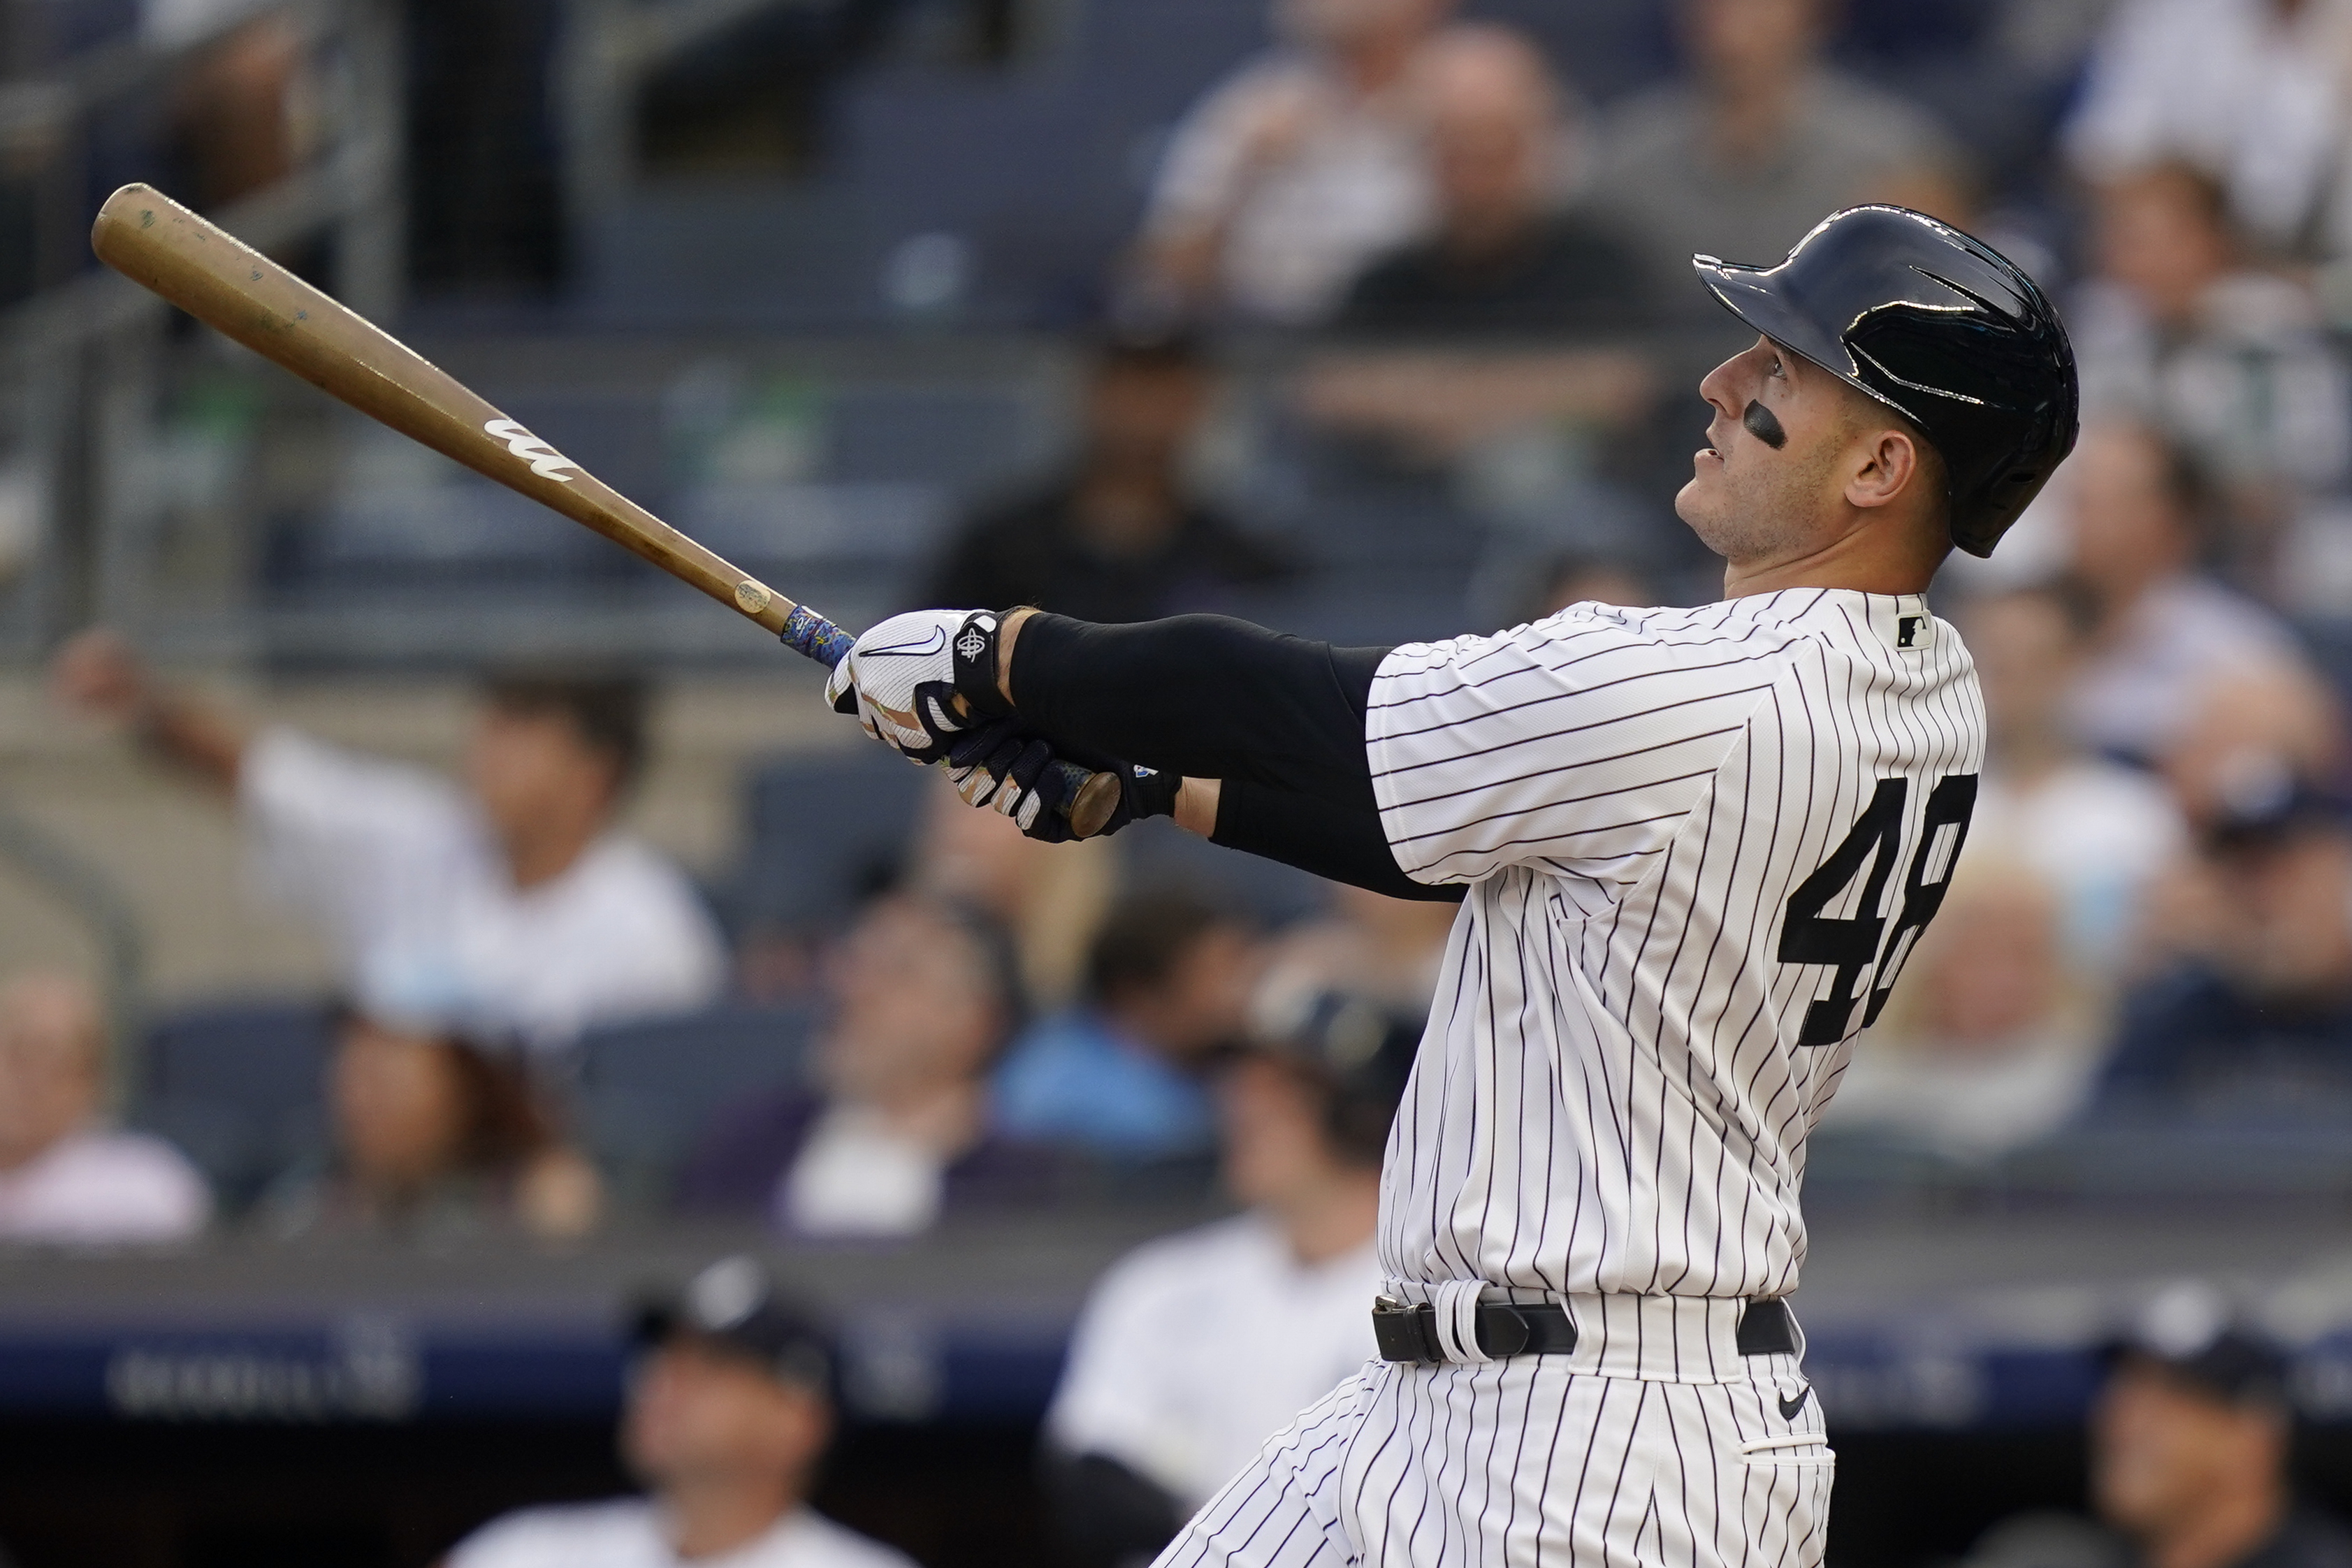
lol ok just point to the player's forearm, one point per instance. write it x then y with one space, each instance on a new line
193 736
1203 695
1343 843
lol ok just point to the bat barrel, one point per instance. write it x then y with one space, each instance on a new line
163 247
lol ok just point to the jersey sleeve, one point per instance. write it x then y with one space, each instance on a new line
1110 1402
1578 744
330 829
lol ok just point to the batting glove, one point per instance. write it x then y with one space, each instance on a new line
903 679
1003 767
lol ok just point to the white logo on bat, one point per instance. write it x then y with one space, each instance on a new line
544 460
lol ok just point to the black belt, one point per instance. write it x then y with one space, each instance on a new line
1408 1331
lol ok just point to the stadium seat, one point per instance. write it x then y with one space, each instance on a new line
647 1091
866 525
963 439
237 1086
823 829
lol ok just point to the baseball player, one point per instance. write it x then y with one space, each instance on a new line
1693 847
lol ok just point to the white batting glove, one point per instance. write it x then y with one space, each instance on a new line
901 679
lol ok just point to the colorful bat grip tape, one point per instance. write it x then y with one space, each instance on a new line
807 632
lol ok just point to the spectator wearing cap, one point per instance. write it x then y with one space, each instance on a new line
1196 1348
1120 536
1121 1076
1761 142
435 1137
2260 1025
1388 950
66 1178
1290 175
729 1413
898 1130
2190 1438
509 907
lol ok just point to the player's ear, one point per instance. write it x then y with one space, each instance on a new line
1887 467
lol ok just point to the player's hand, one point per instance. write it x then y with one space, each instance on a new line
98 673
1003 767
918 681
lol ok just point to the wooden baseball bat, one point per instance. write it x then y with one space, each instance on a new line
163 247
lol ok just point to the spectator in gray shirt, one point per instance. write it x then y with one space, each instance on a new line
1760 145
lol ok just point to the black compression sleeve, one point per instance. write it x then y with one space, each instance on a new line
1206 696
1335 841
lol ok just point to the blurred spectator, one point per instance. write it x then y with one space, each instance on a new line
1988 1044
245 110
2190 1443
1507 275
1386 950
1051 897
2229 363
898 1129
1119 538
1574 578
64 1177
2248 738
513 906
2165 629
434 1137
1304 165
2260 1023
2190 1447
1168 983
1195 1349
2097 832
1505 260
1760 145
2251 91
728 1414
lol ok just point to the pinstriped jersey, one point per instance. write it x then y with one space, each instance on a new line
1699 846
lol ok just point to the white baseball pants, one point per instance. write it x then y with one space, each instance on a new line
1653 1443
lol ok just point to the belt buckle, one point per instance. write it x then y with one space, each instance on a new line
1406 1331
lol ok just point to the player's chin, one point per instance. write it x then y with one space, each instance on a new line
1696 501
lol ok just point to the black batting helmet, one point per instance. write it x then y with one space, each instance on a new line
1358 1054
1940 328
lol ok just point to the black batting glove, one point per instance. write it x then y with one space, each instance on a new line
1007 768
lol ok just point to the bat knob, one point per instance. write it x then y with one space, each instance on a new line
1092 807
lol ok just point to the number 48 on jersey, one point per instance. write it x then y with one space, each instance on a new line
1860 944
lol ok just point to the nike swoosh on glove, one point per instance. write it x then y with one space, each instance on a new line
901 679
1003 767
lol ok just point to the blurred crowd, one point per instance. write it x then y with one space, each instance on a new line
1477 272
1476 277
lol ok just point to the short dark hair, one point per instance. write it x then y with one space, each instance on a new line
607 711
503 1120
1144 937
1150 351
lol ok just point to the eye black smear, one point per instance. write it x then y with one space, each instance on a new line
1761 424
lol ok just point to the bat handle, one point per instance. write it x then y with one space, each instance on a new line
1087 798
807 632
